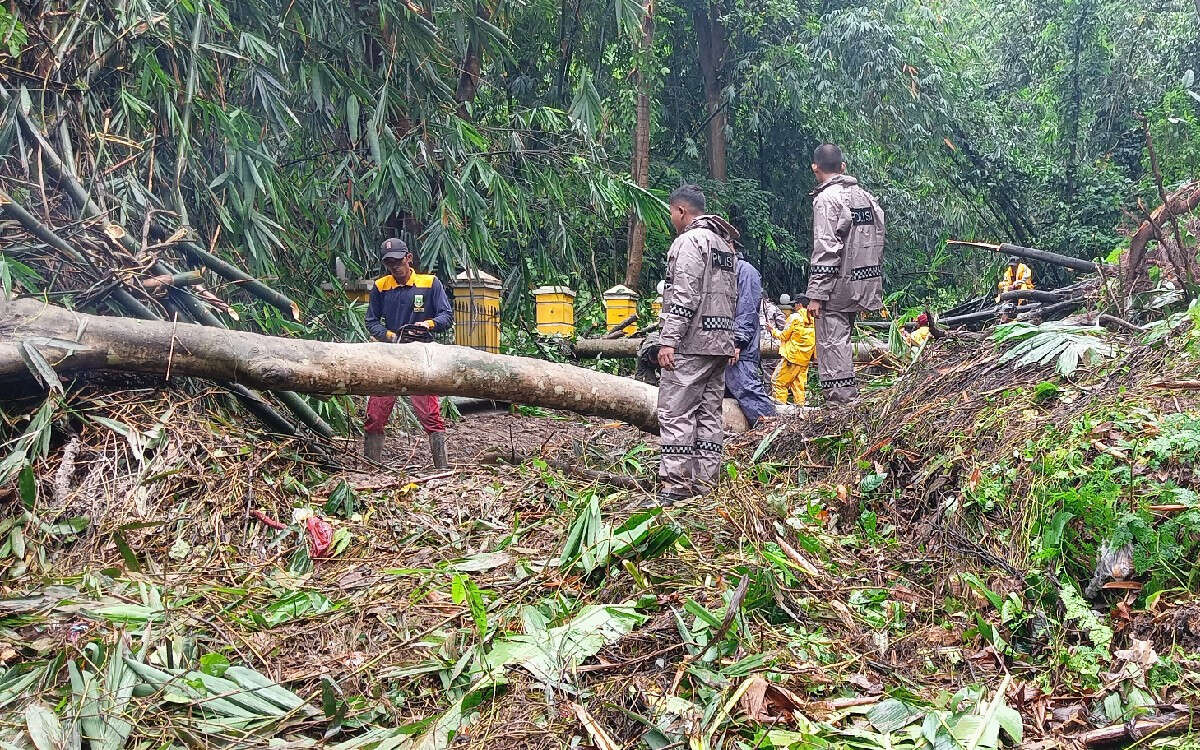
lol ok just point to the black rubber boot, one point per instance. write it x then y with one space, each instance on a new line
437 447
373 447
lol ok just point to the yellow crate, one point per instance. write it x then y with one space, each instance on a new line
477 311
555 309
619 303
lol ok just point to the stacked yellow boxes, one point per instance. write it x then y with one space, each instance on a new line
477 311
555 310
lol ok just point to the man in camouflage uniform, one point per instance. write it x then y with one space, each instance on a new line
846 275
695 346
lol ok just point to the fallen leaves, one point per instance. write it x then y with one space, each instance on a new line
768 703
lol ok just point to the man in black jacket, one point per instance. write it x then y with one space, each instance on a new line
401 303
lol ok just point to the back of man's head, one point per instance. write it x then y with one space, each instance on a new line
828 158
690 197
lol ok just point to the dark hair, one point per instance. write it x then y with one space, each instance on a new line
828 158
689 195
803 300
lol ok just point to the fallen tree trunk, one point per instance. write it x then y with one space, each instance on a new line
1029 253
1037 295
72 341
1182 201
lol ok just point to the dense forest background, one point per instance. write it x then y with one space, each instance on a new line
536 139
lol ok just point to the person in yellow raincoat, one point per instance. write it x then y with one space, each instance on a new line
920 335
1017 276
797 342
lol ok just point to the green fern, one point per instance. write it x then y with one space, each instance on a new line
1066 345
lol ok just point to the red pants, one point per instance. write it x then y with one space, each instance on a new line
427 408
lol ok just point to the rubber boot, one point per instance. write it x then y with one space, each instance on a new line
437 447
373 447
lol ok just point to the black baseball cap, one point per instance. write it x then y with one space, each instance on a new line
393 248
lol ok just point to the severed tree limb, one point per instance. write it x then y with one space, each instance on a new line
1139 729
1113 322
1037 295
1180 202
1045 311
1029 253
73 341
132 305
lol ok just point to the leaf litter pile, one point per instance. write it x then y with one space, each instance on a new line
984 552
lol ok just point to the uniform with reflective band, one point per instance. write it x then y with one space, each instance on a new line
699 303
797 342
1020 280
846 275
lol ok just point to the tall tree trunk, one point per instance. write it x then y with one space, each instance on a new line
468 74
1074 108
640 168
713 46
568 31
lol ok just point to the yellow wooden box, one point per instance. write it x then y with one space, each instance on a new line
555 310
619 303
477 311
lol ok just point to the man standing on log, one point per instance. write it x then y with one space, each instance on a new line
696 344
846 274
406 306
744 380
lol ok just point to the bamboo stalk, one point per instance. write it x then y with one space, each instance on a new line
187 278
194 307
194 252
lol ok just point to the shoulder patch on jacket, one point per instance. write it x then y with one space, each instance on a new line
386 283
422 280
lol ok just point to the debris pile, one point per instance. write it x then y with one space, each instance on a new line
909 573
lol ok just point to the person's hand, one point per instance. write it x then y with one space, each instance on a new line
814 308
428 324
737 353
666 357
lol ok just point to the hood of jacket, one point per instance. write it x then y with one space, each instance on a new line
837 179
716 225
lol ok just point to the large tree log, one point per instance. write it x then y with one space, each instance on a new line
72 341
1029 253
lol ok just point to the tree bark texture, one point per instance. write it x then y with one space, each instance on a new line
713 47
468 74
640 168
72 341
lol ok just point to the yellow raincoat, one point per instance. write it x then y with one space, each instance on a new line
797 342
1021 279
